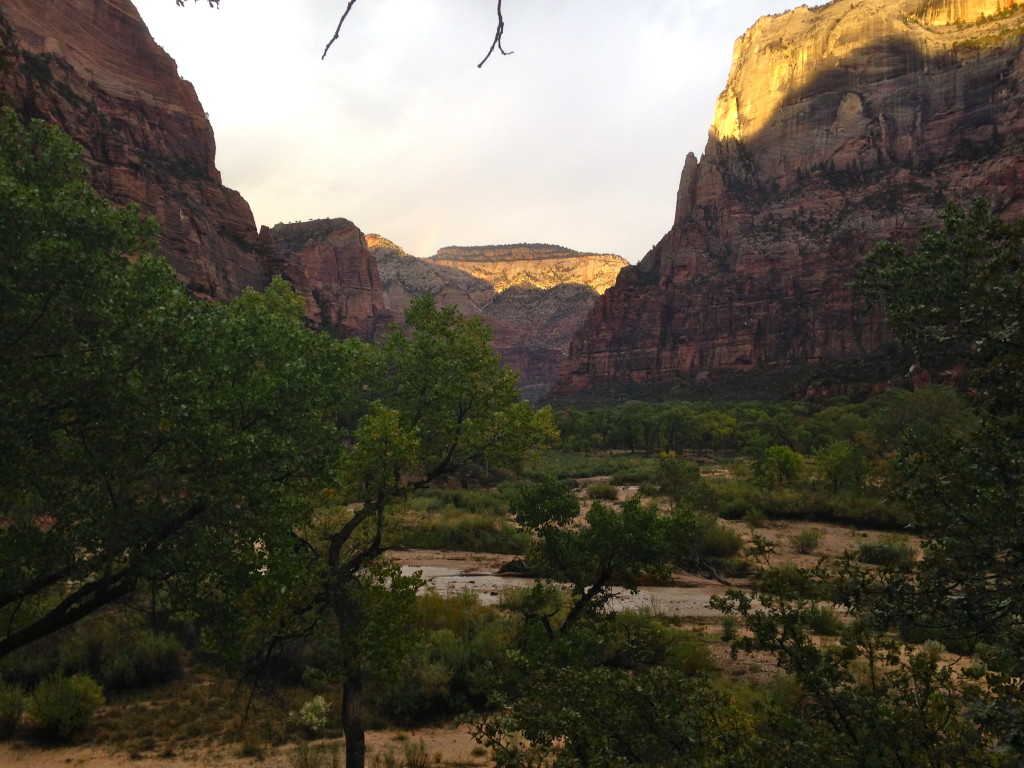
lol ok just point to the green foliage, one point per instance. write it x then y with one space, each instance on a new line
451 530
312 716
842 465
605 491
461 647
159 434
891 551
823 620
61 708
12 703
806 541
120 654
872 699
605 546
778 466
603 716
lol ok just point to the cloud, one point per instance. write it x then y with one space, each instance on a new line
576 139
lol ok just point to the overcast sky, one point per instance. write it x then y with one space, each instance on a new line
576 139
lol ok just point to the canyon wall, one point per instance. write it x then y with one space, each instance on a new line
92 68
839 126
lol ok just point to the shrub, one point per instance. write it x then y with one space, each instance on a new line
312 715
148 658
470 532
889 551
807 540
120 654
605 491
823 620
716 541
62 707
790 581
12 700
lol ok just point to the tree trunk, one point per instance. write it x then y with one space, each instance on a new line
352 720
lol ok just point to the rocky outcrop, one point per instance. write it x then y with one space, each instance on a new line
839 126
406 278
91 67
531 326
329 263
537 266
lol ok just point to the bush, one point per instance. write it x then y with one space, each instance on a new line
464 531
716 541
62 707
889 551
12 701
312 715
823 620
605 491
120 654
807 540
147 658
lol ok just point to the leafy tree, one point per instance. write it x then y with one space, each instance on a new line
147 438
778 466
892 703
442 406
843 465
591 688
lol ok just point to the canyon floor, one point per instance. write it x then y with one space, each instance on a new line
687 596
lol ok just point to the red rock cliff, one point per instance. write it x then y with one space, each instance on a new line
327 261
839 126
92 68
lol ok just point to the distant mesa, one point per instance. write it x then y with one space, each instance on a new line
533 265
533 296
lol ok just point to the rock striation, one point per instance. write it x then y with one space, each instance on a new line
92 68
539 266
839 126
328 262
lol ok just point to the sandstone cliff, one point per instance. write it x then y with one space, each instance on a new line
328 262
92 68
839 126
539 266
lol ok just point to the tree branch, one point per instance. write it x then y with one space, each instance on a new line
337 31
498 32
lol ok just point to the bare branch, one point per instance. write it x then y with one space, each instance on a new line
497 39
337 31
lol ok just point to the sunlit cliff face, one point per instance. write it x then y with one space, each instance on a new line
784 69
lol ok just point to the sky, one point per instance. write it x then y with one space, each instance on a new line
577 139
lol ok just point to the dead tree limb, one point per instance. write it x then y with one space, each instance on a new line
337 31
496 43
497 39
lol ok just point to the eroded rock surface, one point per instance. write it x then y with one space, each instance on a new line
329 263
839 126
